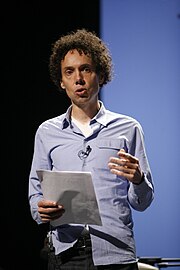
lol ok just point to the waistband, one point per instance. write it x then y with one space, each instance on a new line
83 241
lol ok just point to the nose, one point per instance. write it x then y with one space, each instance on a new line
80 81
79 78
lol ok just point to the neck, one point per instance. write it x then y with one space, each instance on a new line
84 115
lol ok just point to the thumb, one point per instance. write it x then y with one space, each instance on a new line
122 153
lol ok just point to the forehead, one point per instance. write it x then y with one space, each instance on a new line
74 57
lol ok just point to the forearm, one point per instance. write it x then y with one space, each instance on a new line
33 202
141 196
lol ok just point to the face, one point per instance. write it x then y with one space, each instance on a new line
79 78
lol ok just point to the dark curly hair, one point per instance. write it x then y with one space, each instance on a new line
86 42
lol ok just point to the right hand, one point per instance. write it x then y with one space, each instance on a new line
50 210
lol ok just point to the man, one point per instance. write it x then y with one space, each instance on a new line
113 151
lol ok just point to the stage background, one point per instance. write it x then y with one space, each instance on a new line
144 38
28 97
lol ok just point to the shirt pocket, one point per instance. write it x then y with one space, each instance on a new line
112 144
109 148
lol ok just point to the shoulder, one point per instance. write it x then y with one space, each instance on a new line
123 118
52 123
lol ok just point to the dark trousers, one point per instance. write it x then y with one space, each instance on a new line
80 258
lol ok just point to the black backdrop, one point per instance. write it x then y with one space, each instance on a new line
28 97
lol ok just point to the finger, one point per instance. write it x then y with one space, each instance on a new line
124 172
123 165
122 162
126 167
117 161
127 156
51 215
47 203
49 210
54 214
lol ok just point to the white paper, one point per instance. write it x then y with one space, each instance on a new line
75 191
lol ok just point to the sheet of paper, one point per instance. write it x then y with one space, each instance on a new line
75 191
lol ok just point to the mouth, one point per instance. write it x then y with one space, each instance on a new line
81 92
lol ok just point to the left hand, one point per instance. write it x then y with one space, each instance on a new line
127 166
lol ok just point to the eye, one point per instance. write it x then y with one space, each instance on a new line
87 69
68 72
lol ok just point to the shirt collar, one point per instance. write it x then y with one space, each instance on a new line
66 121
100 117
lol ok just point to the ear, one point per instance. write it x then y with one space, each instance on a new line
62 85
101 79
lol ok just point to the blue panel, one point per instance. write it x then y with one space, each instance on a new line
144 38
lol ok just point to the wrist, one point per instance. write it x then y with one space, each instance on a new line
141 180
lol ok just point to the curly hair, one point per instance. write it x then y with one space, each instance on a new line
85 42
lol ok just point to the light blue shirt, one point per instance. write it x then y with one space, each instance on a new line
57 144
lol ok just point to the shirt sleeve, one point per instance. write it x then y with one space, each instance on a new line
140 196
39 161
